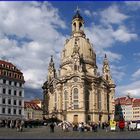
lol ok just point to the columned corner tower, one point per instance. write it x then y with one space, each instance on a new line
78 93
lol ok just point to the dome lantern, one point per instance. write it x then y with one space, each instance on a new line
78 24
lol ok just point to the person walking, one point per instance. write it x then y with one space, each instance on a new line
18 125
80 127
107 126
21 125
52 125
121 125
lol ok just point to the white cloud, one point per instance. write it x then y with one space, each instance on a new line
123 35
90 13
100 36
87 12
113 15
38 22
133 89
105 37
113 56
136 75
117 72
133 5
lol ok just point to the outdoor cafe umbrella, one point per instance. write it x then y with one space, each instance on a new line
65 123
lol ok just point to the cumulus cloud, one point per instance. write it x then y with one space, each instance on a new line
133 5
133 89
136 74
123 35
105 37
117 72
90 13
113 56
113 15
28 37
87 12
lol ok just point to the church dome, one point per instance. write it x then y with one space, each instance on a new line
79 42
84 47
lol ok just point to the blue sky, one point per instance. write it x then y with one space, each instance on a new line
32 31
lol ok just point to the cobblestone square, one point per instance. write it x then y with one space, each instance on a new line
44 133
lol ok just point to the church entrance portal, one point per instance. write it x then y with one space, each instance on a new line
75 119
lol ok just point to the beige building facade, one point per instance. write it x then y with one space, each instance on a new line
78 93
32 111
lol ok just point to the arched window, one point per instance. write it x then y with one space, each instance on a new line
99 101
80 26
65 100
74 26
75 98
55 100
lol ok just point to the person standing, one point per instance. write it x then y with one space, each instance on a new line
52 125
121 125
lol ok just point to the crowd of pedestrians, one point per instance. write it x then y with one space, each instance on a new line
65 126
18 124
82 127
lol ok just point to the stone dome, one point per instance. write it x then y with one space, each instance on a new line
85 50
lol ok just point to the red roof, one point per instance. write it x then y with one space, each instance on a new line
136 103
32 105
124 101
128 101
9 70
6 63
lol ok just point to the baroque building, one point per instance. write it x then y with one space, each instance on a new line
32 111
11 91
78 93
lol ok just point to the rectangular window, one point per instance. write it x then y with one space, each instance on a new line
9 110
19 111
15 83
3 101
9 91
3 110
9 101
19 103
4 90
15 102
15 92
20 93
10 74
20 84
4 81
15 111
10 82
